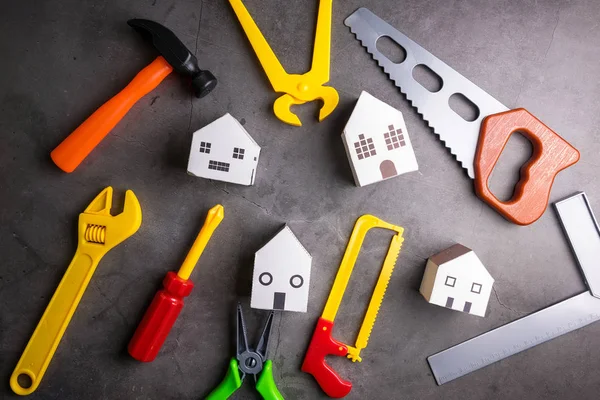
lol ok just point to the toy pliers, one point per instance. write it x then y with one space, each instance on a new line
298 89
249 361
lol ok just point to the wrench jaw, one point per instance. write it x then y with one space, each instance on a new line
99 231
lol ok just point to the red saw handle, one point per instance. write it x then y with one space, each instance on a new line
76 147
551 154
322 345
159 318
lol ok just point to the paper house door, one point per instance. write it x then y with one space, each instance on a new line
377 142
455 278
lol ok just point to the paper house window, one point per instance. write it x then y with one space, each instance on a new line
394 138
296 281
373 128
222 146
218 166
265 279
238 153
455 278
476 288
365 148
205 147
281 277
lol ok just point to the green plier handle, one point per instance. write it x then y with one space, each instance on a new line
232 382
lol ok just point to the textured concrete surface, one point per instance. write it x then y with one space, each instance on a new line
61 60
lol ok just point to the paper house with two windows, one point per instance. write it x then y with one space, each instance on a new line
281 276
224 151
456 279
377 142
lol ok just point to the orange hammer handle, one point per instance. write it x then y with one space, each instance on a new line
76 147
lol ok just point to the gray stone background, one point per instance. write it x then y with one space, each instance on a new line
62 60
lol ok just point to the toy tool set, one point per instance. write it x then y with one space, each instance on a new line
476 144
378 148
322 343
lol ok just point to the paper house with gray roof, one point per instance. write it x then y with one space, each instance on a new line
281 276
456 279
224 151
377 142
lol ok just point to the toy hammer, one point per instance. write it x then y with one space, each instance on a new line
174 56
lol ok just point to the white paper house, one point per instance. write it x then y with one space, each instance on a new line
377 142
456 279
281 274
224 151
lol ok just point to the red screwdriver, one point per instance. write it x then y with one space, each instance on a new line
168 302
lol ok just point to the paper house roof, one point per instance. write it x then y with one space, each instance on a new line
224 151
377 142
457 279
281 278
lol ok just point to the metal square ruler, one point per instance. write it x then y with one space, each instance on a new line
580 226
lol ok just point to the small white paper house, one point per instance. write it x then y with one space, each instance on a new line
377 142
456 279
281 274
224 151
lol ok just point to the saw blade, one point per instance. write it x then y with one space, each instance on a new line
377 298
459 135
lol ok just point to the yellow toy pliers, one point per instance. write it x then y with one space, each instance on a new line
298 89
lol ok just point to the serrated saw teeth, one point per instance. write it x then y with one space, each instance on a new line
362 226
459 135
322 343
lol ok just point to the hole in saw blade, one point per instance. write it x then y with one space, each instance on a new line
391 49
506 172
460 104
427 78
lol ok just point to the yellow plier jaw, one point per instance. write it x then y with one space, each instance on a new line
282 106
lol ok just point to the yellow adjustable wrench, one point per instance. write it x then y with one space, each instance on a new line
298 89
99 232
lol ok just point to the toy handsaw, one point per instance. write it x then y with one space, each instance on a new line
581 228
478 144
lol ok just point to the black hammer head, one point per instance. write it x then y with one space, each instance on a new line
175 52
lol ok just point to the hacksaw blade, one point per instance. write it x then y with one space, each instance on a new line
459 135
378 294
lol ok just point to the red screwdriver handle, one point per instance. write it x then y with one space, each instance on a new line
322 345
159 318
551 154
76 147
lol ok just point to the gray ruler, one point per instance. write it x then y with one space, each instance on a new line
582 231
